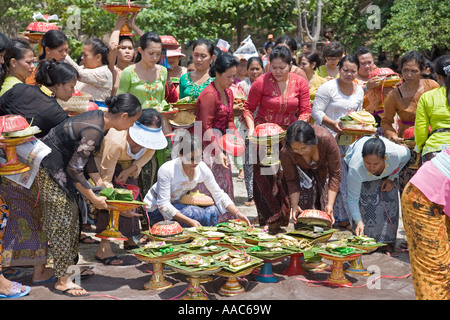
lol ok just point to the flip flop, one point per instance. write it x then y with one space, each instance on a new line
16 291
108 260
86 239
67 293
51 279
11 275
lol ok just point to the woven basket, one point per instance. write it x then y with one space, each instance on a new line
76 104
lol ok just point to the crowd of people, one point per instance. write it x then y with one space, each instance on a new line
362 186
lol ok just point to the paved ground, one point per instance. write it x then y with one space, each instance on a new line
125 282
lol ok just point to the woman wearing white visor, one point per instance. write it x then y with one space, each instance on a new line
120 160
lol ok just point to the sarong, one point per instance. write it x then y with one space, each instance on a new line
25 240
427 232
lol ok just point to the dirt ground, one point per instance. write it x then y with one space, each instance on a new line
390 277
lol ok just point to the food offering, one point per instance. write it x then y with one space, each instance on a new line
166 228
234 240
313 217
298 246
179 238
357 124
254 235
156 252
195 267
122 200
182 120
15 131
120 7
338 252
238 105
166 110
313 233
41 24
210 233
197 199
269 252
202 246
232 226
268 135
232 144
367 244
188 103
237 260
388 77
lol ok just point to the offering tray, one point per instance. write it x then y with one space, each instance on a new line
245 260
112 230
232 226
233 241
308 232
298 246
356 265
194 290
210 233
206 248
266 274
176 239
337 277
120 8
13 165
232 286
157 258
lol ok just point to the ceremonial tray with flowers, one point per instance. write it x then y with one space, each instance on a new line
269 250
253 235
156 249
362 242
233 240
174 239
232 226
210 233
237 260
186 103
337 249
312 232
202 246
195 263
294 244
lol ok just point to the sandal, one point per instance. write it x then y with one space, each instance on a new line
108 260
249 203
67 292
16 291
88 240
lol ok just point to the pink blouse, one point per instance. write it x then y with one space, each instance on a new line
271 107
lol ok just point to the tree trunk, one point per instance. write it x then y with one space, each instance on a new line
318 26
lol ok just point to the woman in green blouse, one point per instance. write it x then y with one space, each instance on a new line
193 83
433 110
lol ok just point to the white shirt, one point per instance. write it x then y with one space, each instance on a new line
173 183
332 102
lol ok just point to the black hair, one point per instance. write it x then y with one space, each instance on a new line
333 49
145 40
17 51
269 45
5 45
281 52
150 117
208 43
361 50
292 44
301 131
442 68
98 47
350 58
124 102
50 72
257 59
413 56
123 38
311 57
374 146
52 39
186 143
222 63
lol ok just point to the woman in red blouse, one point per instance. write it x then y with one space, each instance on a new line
280 97
215 113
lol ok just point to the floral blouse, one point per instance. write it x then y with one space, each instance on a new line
150 94
189 88
73 143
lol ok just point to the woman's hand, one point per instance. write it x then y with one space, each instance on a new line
295 213
397 139
121 21
336 127
100 203
329 211
222 159
243 217
194 223
359 230
123 176
387 185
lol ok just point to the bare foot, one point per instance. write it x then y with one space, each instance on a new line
41 273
